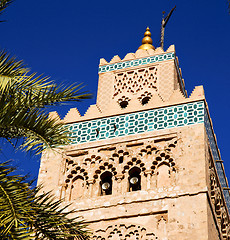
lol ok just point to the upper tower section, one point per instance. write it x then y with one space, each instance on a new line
142 78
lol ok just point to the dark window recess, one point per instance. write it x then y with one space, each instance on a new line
106 183
124 104
145 100
134 179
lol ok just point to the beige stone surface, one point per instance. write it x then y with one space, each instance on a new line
72 115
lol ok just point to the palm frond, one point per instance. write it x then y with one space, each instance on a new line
39 91
31 82
56 95
22 95
55 222
15 204
33 125
3 5
28 214
10 67
23 98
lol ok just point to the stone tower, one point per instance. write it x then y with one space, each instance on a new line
144 162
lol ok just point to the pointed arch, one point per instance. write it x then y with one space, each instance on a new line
163 175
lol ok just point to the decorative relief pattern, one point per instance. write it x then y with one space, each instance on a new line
140 122
85 169
135 81
167 81
217 201
124 232
214 150
105 90
136 62
145 97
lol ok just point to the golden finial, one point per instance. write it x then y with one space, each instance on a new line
147 42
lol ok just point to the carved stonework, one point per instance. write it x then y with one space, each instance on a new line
135 80
217 199
124 232
154 162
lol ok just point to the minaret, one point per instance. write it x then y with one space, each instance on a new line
144 161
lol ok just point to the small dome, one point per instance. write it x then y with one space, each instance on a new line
147 42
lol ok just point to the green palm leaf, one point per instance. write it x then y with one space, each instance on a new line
54 222
9 66
27 214
3 5
21 99
15 78
15 204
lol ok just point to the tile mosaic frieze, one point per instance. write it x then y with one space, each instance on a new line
139 122
136 62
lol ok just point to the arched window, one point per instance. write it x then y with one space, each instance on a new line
78 187
163 175
106 183
134 179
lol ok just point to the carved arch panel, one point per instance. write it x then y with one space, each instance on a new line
124 232
218 204
84 168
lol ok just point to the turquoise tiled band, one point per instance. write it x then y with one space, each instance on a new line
136 62
140 122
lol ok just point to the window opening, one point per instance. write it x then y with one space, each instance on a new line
124 104
106 183
134 179
145 100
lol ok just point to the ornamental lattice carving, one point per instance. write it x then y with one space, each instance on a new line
85 168
217 200
124 232
135 80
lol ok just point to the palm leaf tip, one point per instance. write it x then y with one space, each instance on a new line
9 66
4 4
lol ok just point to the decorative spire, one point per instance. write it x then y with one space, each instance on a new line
147 42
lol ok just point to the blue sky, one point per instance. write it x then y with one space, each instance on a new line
66 39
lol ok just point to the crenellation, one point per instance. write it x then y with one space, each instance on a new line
140 53
54 115
103 61
177 95
129 56
197 92
159 50
171 48
92 111
115 59
73 115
